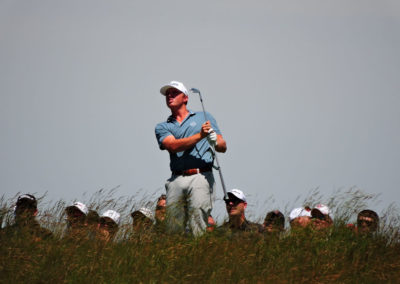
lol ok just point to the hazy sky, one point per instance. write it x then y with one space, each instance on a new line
306 94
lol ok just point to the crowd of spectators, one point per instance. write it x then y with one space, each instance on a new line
82 223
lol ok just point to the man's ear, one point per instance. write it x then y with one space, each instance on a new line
245 205
35 213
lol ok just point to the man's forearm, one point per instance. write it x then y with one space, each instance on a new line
174 145
221 144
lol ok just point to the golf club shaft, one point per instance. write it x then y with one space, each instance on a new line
213 148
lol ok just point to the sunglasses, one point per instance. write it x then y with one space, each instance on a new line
233 201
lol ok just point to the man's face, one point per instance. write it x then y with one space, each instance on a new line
301 222
160 210
272 228
75 216
321 222
107 228
141 222
366 224
235 206
175 98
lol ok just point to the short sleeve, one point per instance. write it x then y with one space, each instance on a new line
161 133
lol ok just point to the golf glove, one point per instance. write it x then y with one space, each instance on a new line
212 137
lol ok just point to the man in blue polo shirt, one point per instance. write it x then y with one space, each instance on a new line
189 140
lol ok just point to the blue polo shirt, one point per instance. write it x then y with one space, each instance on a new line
199 156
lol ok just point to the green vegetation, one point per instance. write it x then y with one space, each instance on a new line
338 255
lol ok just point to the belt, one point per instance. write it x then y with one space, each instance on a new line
190 172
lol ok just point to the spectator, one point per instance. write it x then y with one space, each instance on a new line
76 220
367 221
274 222
211 224
300 217
25 225
320 217
142 220
236 205
108 226
161 208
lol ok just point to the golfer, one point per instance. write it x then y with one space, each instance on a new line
189 140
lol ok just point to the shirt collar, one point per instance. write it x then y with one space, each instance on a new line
172 119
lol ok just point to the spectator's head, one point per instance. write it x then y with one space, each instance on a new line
300 217
76 214
236 203
367 221
161 208
108 224
274 222
210 224
142 219
320 217
26 207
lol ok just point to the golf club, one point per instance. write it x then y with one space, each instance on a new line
197 91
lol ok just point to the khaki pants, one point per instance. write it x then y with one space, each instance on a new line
189 198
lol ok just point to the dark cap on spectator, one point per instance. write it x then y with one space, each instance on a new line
26 201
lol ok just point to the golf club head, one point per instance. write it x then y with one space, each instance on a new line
194 90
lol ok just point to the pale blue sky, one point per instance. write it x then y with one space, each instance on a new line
305 93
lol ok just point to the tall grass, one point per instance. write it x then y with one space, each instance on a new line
337 255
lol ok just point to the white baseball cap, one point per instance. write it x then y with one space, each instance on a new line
113 215
81 207
176 85
299 212
238 193
146 212
321 208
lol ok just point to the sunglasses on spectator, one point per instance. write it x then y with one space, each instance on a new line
233 201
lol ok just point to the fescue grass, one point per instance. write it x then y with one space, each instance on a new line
335 256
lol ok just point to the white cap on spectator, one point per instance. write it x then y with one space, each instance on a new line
321 208
299 212
81 207
238 193
146 212
176 85
113 215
